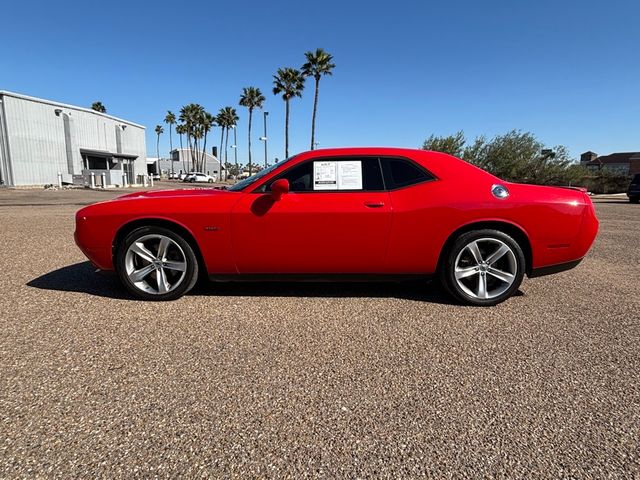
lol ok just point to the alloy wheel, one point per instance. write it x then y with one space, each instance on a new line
485 268
155 264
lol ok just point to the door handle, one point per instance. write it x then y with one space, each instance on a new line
374 204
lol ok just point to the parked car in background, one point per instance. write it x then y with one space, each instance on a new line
634 189
199 177
345 214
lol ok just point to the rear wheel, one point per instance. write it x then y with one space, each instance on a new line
483 267
155 263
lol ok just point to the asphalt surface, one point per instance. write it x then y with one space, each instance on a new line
314 380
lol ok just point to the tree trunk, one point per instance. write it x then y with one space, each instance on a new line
181 156
313 118
171 147
250 115
286 129
204 153
226 151
158 148
220 152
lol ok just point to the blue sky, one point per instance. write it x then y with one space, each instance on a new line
568 71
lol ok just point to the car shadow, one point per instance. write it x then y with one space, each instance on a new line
83 278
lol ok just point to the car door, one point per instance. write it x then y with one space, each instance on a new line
316 227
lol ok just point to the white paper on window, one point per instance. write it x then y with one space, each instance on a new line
350 175
325 175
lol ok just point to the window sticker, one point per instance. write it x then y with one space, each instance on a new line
350 175
332 175
325 176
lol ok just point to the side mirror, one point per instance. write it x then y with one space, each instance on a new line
279 188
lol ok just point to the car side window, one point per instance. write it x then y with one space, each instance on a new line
301 179
402 173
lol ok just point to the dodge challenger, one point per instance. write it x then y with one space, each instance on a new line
344 214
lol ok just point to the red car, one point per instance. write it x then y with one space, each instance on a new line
348 213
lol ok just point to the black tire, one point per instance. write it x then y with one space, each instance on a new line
192 180
515 261
634 199
185 284
210 180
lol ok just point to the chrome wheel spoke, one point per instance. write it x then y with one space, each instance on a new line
500 275
498 254
163 284
475 252
466 272
139 249
162 248
482 286
139 275
177 266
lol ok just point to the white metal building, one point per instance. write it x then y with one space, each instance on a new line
181 159
39 138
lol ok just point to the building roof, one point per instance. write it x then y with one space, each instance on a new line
65 105
619 157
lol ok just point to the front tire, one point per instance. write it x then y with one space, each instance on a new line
155 263
483 267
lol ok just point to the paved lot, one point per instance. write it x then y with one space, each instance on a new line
313 380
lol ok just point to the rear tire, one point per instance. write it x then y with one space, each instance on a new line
155 263
634 199
483 267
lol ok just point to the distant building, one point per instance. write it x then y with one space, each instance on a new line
622 163
41 138
181 159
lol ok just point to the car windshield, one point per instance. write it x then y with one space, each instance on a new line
254 178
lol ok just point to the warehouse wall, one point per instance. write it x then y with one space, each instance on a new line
36 139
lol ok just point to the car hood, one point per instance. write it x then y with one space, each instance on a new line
176 193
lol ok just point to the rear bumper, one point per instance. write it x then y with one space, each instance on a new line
551 269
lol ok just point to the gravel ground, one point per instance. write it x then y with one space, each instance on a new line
328 380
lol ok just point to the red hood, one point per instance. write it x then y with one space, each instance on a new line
184 192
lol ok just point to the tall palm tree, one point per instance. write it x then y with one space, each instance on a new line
289 82
207 121
98 107
170 119
159 131
221 121
251 98
181 130
318 63
230 120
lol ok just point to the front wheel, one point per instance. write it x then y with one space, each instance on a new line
483 267
155 263
210 180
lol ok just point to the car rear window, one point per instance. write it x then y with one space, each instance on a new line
402 172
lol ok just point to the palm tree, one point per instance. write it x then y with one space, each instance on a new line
221 121
159 131
181 130
318 63
251 98
191 116
207 121
226 119
289 82
170 119
98 107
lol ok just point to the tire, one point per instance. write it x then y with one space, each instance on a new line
210 180
499 269
634 199
150 276
192 180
